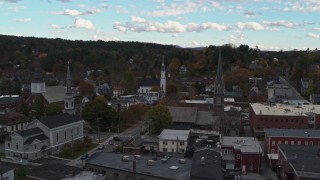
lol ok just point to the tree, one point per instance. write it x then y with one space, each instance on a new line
98 113
53 109
174 67
311 88
134 113
158 118
38 108
23 107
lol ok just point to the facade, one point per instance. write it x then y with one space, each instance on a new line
173 140
6 172
44 137
299 162
124 167
13 121
276 137
282 116
278 91
147 84
241 153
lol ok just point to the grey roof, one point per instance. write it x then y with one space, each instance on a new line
244 144
59 120
150 82
205 118
114 161
211 169
307 160
171 134
53 171
5 169
30 132
183 114
40 137
292 132
55 94
5 100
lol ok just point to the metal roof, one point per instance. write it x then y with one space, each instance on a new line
292 132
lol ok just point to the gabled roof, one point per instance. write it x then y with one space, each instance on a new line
39 137
150 82
30 132
55 94
59 120
210 168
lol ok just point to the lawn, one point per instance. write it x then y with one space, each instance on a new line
77 152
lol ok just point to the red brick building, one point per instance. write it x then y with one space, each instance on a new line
282 116
299 162
241 153
275 137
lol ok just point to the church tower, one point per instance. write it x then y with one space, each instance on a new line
163 82
69 99
218 96
38 85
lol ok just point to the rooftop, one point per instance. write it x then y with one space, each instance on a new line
59 120
305 160
53 171
55 93
292 132
284 110
207 168
183 114
170 134
159 169
30 132
245 144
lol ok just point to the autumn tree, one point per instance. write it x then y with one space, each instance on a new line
158 118
38 108
85 88
134 113
23 107
174 67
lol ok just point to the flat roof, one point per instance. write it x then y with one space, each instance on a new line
284 109
159 169
206 101
245 144
292 132
172 134
305 160
183 114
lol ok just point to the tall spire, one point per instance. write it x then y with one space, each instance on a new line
219 83
37 76
68 80
163 81
163 69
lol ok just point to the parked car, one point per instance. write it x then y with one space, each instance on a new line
84 156
101 147
116 138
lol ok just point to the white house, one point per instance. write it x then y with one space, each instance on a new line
171 140
6 172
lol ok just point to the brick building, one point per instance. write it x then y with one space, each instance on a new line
282 116
275 137
299 162
241 153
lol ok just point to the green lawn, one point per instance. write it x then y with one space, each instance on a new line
67 154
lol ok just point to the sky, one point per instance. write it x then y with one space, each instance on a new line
263 24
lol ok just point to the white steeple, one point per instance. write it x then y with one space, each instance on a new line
37 84
163 81
69 99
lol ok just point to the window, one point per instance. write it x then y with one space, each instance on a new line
272 151
165 150
65 134
286 142
172 142
165 142
182 143
299 143
273 143
67 105
279 142
292 142
57 137
36 154
182 150
35 146
8 145
311 143
172 150
16 126
17 146
238 156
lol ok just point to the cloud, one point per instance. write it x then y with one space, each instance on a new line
176 9
12 1
250 26
237 37
55 26
97 37
71 12
83 23
141 25
23 20
304 6
64 1
16 8
217 5
76 13
282 23
312 35
249 14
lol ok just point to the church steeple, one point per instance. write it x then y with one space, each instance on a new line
219 82
69 99
163 81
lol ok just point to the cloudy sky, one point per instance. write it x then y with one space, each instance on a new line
268 24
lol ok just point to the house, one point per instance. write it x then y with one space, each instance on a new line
241 153
275 137
44 137
304 84
206 164
9 102
6 172
277 92
173 140
139 167
282 116
299 162
13 121
146 85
